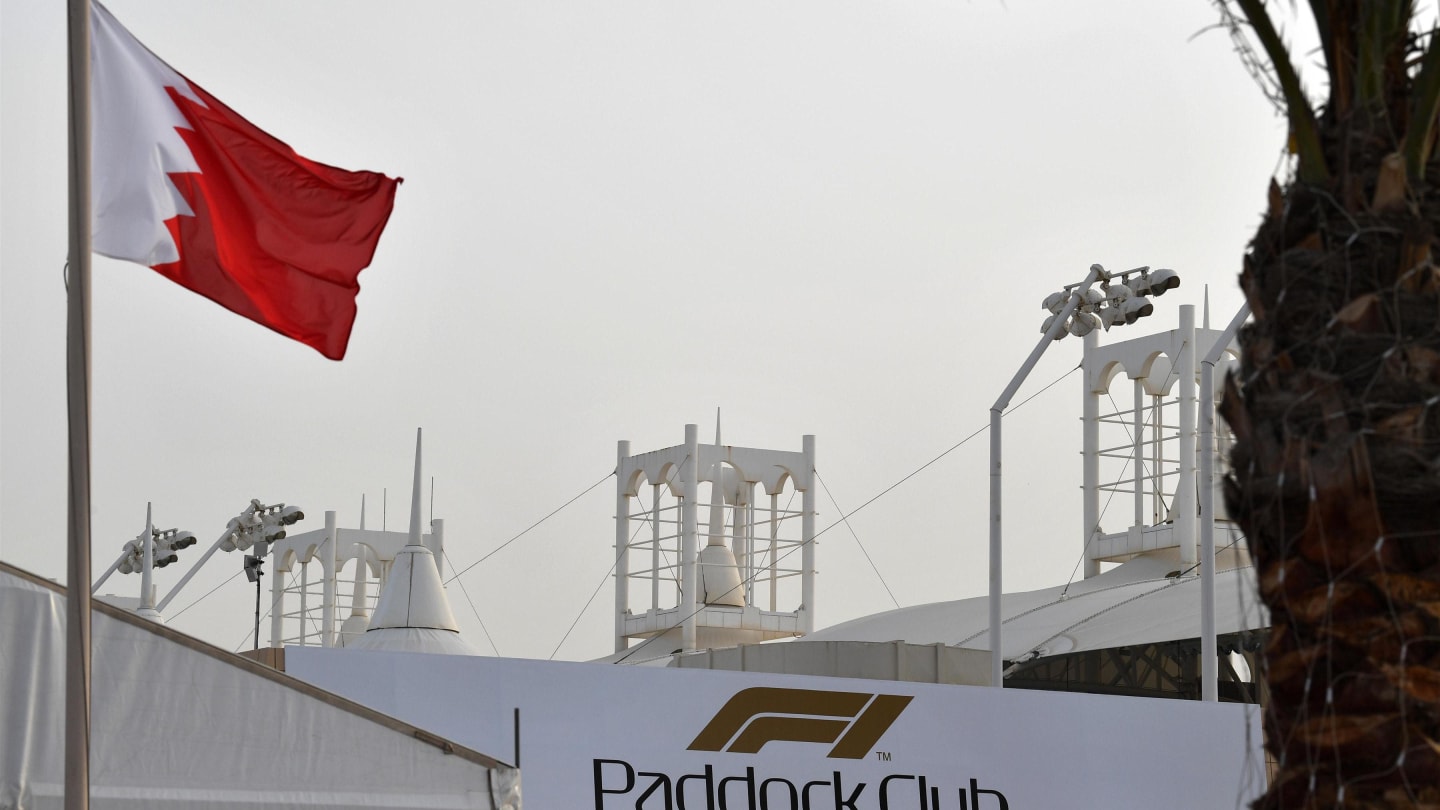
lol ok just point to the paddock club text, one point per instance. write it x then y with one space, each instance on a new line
619 785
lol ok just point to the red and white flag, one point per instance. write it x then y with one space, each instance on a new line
182 184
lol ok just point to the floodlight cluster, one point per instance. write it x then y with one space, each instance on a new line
259 523
1122 298
166 543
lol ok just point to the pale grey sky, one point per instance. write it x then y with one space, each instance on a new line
822 217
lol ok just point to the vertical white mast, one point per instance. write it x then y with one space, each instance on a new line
147 568
77 384
415 495
689 599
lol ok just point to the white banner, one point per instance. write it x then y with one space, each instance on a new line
608 737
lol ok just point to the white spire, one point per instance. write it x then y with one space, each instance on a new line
359 596
147 565
358 621
717 495
719 574
413 613
415 496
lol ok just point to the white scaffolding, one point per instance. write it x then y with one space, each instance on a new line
663 582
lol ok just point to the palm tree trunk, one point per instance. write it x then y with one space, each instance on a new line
1336 480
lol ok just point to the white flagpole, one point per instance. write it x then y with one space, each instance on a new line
77 379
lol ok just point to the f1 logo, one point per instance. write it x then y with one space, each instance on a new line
853 721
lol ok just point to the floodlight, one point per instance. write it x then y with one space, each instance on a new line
161 562
291 514
1137 308
1116 293
1156 283
1162 280
1113 315
1055 302
182 540
1083 323
1092 298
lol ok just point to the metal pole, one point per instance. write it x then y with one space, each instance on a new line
1209 647
147 563
622 545
304 601
1091 462
1185 522
1138 437
997 669
655 547
774 541
689 597
77 383
332 540
277 606
258 575
807 532
112 569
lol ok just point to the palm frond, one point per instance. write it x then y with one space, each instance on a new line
1313 167
1420 134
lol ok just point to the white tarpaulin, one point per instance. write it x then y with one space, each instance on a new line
178 723
611 737
1135 603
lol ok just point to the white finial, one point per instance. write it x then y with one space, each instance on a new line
717 496
1207 307
147 563
719 575
415 496
362 511
358 604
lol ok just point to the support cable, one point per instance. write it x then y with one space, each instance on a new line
846 521
556 511
596 592
177 613
473 609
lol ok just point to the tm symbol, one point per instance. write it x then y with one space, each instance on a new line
883 756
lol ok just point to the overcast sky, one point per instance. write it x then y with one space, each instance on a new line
822 217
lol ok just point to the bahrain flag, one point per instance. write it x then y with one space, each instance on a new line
184 185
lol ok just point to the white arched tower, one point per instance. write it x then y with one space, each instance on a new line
1141 470
747 576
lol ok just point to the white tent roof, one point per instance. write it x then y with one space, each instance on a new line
1135 603
178 723
413 614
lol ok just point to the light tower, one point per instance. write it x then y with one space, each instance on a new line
711 597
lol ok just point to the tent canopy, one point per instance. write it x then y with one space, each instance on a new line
176 722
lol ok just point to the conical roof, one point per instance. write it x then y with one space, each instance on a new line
413 614
413 595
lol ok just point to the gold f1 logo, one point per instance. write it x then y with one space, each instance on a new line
854 721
